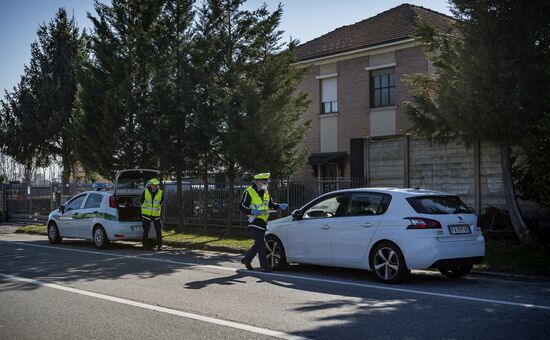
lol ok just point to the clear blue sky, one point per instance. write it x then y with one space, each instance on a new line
302 19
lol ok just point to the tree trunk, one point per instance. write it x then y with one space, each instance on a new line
179 193
523 234
231 201
66 175
204 212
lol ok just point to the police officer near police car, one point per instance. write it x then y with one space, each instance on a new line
151 202
257 204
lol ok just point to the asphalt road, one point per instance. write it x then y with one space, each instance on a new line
73 290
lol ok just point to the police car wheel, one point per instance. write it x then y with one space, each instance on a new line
275 253
101 240
53 233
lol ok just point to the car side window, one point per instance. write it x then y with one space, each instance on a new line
76 202
93 201
367 204
325 208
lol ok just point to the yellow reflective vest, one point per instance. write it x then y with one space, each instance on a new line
151 205
259 203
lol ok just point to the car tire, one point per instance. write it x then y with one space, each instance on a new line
53 233
455 271
276 255
388 263
101 240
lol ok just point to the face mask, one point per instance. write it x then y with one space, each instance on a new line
263 187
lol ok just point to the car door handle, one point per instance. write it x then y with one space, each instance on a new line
76 213
325 227
95 212
367 224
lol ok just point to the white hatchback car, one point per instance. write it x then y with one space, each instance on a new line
386 230
104 216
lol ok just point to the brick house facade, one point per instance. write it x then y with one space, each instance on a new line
355 83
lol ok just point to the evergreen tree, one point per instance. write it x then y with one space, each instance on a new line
116 119
173 91
55 57
22 129
492 82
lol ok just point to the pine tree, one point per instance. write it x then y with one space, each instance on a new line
55 58
116 118
22 130
173 92
492 82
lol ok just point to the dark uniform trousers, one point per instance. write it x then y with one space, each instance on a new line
258 247
147 224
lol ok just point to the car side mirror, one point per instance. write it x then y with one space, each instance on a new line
297 214
62 208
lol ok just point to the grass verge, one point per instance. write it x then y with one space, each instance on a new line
501 256
513 257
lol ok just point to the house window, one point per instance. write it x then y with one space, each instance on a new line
382 85
329 97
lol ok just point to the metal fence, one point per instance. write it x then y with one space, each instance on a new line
200 206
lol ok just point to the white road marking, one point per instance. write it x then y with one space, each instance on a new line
176 312
298 277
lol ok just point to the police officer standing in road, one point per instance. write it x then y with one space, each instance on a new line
256 203
151 201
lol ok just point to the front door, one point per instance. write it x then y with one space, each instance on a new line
310 237
70 219
352 233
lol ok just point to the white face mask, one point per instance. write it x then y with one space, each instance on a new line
263 187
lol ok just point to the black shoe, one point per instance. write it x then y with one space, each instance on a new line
247 265
159 248
265 270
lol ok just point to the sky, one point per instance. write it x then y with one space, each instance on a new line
302 19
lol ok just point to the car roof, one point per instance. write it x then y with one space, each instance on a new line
406 192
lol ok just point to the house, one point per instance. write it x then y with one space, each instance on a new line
355 81
356 85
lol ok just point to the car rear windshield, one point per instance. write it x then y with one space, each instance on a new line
440 205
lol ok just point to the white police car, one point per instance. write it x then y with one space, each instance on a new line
104 215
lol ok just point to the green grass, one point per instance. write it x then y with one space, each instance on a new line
33 229
199 238
512 257
501 256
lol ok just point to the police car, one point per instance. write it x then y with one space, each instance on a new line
103 216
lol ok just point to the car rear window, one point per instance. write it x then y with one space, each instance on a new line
440 205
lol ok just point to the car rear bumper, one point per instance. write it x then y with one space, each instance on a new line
127 231
457 262
423 253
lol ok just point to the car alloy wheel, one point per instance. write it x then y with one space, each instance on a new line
388 263
53 234
275 253
100 238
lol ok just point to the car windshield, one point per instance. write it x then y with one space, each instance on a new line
439 205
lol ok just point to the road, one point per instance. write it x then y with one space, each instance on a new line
73 290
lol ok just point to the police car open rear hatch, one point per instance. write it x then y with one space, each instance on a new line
133 181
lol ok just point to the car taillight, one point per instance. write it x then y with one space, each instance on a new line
113 203
423 223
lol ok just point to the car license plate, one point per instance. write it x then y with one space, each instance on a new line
459 229
137 228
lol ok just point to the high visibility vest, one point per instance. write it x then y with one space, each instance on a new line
259 203
151 205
